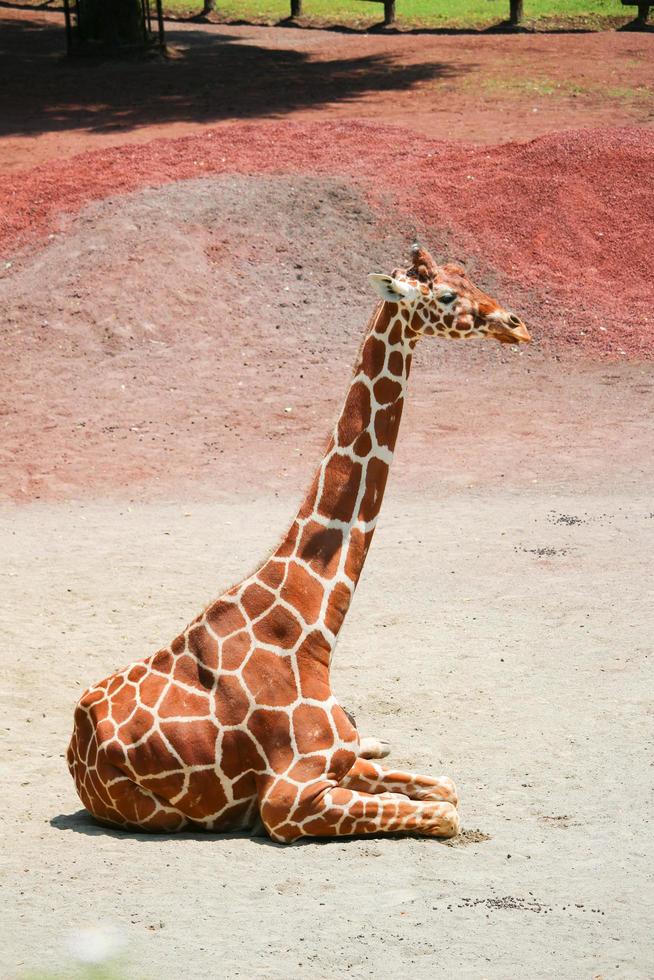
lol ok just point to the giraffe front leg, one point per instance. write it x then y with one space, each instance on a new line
373 748
368 777
327 809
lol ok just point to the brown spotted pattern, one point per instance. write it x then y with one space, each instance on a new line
235 722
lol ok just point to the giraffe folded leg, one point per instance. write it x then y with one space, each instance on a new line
327 809
373 748
368 777
117 801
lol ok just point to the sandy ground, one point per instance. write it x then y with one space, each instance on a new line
498 636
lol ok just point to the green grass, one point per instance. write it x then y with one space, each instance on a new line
542 85
428 13
98 971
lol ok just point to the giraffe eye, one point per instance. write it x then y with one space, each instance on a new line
447 297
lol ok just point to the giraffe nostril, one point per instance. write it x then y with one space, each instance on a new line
514 319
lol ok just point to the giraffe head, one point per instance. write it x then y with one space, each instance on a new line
440 301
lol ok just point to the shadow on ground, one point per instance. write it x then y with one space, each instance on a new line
208 78
81 822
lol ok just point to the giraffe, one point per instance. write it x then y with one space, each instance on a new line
234 724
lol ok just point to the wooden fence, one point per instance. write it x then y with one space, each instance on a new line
515 11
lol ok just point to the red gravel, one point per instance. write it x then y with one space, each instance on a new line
565 219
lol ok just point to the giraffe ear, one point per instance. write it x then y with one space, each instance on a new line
392 290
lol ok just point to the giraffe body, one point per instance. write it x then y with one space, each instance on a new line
235 722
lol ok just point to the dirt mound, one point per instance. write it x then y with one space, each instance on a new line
565 220
161 326
178 334
569 217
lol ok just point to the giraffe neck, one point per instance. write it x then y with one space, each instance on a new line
321 558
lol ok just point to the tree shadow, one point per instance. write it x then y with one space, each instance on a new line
209 77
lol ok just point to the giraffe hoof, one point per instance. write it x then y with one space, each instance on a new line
454 822
448 822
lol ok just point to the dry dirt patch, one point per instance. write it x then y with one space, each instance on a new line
160 336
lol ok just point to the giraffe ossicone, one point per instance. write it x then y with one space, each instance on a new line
235 723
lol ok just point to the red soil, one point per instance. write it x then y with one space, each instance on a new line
566 219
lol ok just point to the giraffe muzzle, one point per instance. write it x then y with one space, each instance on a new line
510 333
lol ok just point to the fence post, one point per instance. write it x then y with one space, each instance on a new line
160 25
69 28
516 13
389 12
296 8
